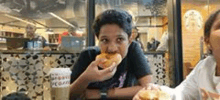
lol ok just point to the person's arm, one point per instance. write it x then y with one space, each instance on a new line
91 74
44 44
86 71
188 89
119 93
140 69
79 67
25 45
78 86
115 93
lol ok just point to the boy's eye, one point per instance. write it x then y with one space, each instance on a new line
120 39
104 40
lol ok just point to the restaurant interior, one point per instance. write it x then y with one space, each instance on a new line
181 45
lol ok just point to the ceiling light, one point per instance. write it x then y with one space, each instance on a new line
61 19
13 17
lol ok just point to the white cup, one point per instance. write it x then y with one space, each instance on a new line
60 82
60 77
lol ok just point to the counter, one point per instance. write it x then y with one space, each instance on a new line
32 52
27 71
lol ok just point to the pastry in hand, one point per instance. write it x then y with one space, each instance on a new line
110 59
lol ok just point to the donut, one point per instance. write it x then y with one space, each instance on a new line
154 95
148 95
110 59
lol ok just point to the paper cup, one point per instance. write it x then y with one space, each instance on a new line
60 81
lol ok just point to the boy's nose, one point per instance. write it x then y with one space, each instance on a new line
112 48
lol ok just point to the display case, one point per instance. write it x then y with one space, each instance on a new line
53 38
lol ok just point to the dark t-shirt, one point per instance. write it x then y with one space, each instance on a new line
132 67
37 38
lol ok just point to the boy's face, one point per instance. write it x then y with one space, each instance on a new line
112 39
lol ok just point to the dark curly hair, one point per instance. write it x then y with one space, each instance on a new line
209 23
122 18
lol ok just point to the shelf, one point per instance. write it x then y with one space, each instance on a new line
6 34
53 38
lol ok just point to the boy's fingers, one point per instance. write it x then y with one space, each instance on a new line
97 62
